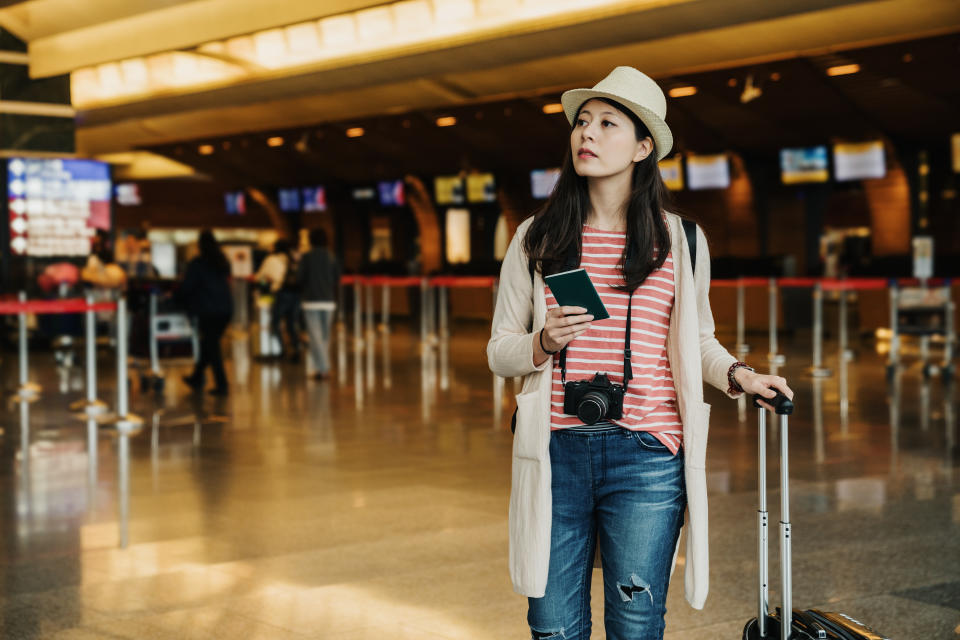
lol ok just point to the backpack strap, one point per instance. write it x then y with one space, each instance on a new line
690 228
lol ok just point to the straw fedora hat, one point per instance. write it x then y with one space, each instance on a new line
637 92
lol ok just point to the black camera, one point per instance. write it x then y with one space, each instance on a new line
593 400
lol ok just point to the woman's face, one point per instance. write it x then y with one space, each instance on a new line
604 141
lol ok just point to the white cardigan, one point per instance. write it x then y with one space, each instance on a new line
695 356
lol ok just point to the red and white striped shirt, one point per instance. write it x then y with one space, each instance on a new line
651 401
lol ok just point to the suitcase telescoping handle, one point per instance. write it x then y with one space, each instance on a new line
783 407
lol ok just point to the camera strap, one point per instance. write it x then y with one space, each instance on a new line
627 366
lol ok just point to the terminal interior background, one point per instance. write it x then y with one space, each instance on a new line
816 142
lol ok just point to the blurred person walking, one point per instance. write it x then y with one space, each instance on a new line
318 279
613 459
279 273
205 294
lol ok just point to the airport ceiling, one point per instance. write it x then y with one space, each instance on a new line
497 82
904 92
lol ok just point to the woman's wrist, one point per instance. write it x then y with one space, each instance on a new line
737 374
543 347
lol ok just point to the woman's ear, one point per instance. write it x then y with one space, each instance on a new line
644 149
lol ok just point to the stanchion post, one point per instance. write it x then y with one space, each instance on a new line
443 292
357 314
742 347
126 423
843 358
424 288
818 370
371 332
92 406
894 328
950 333
28 390
773 356
385 310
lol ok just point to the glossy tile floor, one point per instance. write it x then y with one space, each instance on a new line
374 505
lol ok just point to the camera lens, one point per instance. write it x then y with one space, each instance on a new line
592 407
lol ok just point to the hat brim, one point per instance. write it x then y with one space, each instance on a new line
662 136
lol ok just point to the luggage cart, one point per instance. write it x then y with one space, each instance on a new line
924 312
159 331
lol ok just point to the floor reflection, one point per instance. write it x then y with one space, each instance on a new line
295 507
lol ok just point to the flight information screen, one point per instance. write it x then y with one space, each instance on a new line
56 205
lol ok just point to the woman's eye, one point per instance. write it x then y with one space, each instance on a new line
581 122
607 122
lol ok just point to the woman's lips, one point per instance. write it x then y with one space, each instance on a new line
586 154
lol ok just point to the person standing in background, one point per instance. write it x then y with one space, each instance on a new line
278 271
318 279
205 294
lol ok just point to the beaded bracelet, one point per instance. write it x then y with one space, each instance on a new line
734 385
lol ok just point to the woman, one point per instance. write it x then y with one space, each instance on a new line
624 482
205 294
318 279
279 271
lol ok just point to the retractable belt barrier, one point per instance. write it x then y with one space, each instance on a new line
21 307
842 286
125 422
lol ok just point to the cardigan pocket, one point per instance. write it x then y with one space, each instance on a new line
528 441
697 449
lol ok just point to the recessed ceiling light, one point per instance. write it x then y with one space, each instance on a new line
275 141
732 82
355 132
555 107
908 57
205 149
843 70
683 92
775 76
446 121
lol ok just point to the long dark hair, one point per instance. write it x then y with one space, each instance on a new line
558 225
211 253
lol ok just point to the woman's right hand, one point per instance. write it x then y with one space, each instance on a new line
563 324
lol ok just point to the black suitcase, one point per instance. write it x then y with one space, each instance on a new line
811 624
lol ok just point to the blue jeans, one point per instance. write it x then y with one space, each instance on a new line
624 490
318 328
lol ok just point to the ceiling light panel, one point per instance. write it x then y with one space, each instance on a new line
332 40
338 31
374 24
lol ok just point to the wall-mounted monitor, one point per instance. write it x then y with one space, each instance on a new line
671 171
708 172
458 236
391 193
801 165
481 187
128 194
314 199
289 199
542 182
448 190
235 203
860 161
55 205
364 193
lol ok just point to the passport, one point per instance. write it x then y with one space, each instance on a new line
575 289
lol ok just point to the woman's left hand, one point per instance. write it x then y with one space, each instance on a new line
760 383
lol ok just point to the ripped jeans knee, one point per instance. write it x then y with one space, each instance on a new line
635 588
537 634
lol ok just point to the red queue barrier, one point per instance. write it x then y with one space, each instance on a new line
66 305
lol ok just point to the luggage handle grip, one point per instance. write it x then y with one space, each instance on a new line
781 403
